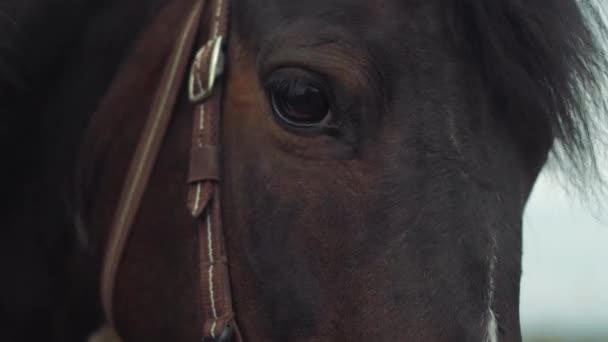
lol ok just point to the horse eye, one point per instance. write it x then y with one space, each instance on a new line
299 103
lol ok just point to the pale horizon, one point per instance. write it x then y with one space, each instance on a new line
564 289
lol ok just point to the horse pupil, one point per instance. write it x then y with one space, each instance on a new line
301 103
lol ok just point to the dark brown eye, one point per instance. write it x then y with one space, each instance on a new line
299 103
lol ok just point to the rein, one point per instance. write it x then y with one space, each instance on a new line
204 203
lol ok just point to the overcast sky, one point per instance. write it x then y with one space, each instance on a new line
565 265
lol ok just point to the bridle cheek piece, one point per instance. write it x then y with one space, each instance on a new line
204 202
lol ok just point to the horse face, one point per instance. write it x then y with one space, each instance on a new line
370 191
377 157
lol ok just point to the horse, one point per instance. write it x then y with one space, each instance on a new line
376 159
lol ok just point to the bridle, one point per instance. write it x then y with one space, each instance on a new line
204 203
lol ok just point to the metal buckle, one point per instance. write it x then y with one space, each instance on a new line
216 68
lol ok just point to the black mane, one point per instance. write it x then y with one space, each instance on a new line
545 64
44 46
36 40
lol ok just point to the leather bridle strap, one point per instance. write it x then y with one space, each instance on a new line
145 156
204 201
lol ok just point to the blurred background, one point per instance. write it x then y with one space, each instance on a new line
564 289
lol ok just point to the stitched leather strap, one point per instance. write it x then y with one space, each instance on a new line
204 174
204 199
204 164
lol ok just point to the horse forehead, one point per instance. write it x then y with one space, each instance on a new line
357 14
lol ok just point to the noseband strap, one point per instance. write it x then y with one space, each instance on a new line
203 200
